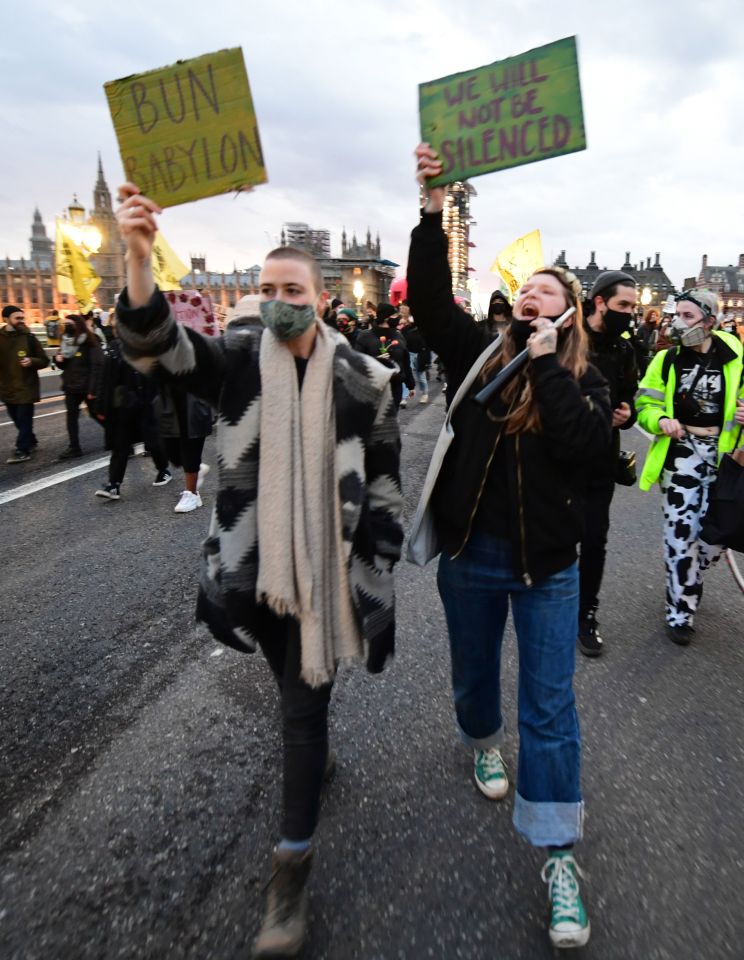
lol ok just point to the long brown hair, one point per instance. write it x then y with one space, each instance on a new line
523 413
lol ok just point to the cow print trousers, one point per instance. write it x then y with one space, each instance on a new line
690 469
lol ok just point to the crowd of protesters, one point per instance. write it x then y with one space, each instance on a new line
307 521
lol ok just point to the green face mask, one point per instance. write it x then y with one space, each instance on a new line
287 320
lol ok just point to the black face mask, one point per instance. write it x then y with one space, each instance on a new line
616 323
520 331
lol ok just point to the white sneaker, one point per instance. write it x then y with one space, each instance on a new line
424 398
189 501
490 773
204 469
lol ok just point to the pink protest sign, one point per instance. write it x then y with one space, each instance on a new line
194 310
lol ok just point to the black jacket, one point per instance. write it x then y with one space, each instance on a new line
125 394
83 371
369 342
543 469
417 345
616 361
176 410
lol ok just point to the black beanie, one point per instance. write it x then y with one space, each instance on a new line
608 279
10 310
385 311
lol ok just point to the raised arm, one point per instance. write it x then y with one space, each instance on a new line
151 339
447 329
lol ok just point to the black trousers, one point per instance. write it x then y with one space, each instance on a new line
73 400
184 452
304 731
130 425
22 415
596 505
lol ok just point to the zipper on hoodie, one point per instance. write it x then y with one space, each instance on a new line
522 535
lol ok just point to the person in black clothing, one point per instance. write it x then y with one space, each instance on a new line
645 339
81 360
184 423
499 314
420 357
384 342
612 300
504 514
126 410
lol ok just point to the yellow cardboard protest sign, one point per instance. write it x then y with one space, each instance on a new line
188 130
519 261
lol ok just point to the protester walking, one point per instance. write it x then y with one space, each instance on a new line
184 424
645 338
126 411
385 343
692 401
21 358
505 516
81 362
609 313
307 522
420 357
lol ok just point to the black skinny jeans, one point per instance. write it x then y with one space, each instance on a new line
596 505
304 731
130 425
73 400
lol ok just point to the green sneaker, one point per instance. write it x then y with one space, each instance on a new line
490 773
569 926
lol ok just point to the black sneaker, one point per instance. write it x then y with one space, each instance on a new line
682 635
110 491
18 456
71 453
590 642
163 477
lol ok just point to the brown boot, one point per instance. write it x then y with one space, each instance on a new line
284 928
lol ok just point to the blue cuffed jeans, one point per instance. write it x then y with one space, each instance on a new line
476 588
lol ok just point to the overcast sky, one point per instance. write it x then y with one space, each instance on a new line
335 89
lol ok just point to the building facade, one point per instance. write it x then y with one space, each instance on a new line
32 283
300 235
654 286
727 282
359 263
456 222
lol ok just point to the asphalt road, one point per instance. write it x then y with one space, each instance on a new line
139 795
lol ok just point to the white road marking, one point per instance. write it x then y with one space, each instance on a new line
9 423
63 476
28 488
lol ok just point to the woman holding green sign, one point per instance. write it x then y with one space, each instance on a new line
503 513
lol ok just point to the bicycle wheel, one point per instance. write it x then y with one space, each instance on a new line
734 568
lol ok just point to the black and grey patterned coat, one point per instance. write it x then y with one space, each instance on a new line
225 372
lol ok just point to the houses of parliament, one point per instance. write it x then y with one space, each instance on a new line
31 283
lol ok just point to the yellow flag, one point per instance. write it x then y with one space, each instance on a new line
75 275
519 260
167 270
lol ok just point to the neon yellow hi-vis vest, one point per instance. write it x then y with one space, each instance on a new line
655 399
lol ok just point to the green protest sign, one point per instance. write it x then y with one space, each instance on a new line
188 130
515 111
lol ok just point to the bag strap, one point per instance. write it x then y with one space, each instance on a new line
471 375
667 364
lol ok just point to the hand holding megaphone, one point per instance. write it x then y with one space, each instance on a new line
544 340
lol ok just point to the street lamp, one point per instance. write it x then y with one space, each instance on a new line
646 297
358 290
